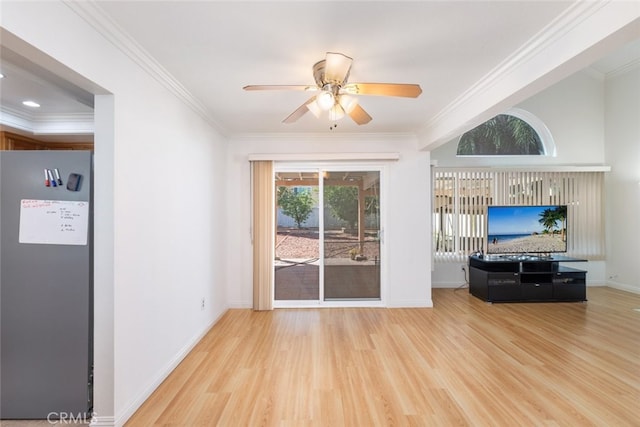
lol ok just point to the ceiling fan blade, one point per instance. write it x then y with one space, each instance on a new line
383 89
281 87
299 111
337 67
360 116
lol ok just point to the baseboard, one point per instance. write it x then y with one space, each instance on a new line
623 287
97 421
449 285
428 303
240 304
130 409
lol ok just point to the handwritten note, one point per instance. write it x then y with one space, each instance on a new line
53 222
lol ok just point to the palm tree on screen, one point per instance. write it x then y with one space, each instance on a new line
550 217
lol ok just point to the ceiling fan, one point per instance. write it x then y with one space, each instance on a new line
335 95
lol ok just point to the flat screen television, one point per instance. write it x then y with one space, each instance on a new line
526 229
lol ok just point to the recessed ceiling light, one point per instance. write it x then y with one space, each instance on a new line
1 76
31 104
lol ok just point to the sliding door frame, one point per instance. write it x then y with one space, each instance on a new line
338 166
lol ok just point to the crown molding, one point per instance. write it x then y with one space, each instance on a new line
323 137
7 118
595 74
321 157
623 69
71 124
581 26
555 30
629 66
95 16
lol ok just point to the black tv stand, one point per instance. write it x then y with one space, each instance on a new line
526 278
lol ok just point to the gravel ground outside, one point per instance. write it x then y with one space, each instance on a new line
305 244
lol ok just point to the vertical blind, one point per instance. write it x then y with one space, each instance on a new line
262 187
460 200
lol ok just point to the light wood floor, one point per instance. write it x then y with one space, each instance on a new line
40 423
463 362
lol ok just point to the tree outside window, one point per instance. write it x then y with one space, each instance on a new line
502 135
296 203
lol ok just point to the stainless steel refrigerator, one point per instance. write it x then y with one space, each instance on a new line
45 284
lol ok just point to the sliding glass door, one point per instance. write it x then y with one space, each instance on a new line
297 271
351 234
327 244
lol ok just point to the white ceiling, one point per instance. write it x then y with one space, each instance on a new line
65 112
214 48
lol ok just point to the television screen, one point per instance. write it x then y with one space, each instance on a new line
526 229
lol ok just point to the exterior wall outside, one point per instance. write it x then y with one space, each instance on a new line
330 221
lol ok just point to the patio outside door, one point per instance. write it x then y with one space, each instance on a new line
328 248
351 235
297 263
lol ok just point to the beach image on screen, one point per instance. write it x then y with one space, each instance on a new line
526 229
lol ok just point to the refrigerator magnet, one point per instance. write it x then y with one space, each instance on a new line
73 182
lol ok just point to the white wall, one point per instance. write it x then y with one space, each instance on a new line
622 152
407 235
160 240
574 112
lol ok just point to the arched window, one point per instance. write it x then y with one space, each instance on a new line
514 133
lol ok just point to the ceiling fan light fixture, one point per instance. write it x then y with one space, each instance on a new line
337 67
325 100
335 95
315 108
348 103
336 112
